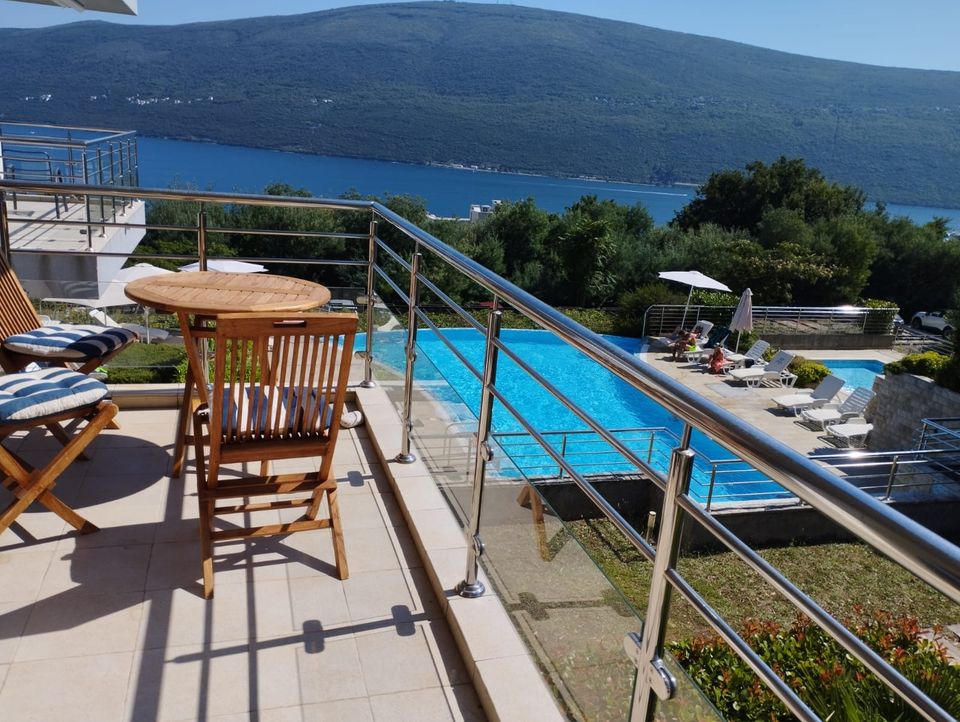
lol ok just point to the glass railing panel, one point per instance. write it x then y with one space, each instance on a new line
689 704
551 559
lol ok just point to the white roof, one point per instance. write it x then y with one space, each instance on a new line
121 7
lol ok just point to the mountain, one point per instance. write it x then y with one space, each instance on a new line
498 86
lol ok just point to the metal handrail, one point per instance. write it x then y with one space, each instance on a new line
920 551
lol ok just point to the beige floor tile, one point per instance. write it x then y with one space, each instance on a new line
76 624
199 681
4 668
62 689
396 661
109 569
451 669
517 688
181 617
369 550
374 595
13 620
22 573
329 670
360 511
464 703
424 705
485 625
282 714
344 710
318 599
35 530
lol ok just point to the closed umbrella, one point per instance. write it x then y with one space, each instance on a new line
227 266
694 279
743 316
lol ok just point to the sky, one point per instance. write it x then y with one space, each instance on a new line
880 32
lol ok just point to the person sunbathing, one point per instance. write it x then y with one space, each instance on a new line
717 361
686 342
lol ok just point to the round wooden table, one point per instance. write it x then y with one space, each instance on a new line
203 295
207 293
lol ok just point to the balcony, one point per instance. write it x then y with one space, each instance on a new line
478 589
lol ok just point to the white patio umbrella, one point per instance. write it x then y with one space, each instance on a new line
115 295
227 266
743 316
694 279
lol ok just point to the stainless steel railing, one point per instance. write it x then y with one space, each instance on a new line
661 319
924 554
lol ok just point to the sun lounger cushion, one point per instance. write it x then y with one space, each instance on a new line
69 342
35 394
280 408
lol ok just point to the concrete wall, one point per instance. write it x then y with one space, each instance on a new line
901 402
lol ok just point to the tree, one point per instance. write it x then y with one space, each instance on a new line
735 199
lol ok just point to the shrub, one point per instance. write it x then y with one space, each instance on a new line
927 364
634 304
145 363
703 297
879 321
820 671
809 373
949 374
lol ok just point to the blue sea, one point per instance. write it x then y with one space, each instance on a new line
447 191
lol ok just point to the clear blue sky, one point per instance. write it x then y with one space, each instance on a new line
881 32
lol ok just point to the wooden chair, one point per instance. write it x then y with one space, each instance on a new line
25 340
47 398
278 391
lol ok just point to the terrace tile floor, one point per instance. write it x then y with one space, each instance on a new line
112 625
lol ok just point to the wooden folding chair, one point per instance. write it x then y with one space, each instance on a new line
25 340
46 398
278 391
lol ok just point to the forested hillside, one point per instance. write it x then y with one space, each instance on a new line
497 86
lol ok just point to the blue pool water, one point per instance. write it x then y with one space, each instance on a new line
611 401
855 372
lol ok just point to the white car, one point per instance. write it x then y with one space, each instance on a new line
932 322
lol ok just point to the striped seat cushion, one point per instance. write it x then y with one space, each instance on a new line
260 408
69 342
35 394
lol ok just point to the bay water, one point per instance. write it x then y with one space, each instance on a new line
447 191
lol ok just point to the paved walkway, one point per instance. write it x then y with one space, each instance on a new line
112 625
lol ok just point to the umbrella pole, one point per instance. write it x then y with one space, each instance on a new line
737 349
687 307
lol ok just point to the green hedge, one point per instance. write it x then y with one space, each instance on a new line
922 364
809 373
879 321
820 671
146 364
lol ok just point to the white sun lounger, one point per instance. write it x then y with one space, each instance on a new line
853 433
776 370
852 406
156 335
811 399
754 353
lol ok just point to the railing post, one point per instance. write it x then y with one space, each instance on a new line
471 586
893 475
713 481
368 381
113 199
653 678
86 198
563 455
405 456
4 228
202 238
650 447
103 228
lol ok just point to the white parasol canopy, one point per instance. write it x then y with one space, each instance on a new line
694 279
115 294
743 316
227 266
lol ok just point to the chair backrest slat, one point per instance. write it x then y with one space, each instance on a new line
857 401
756 351
280 377
828 388
779 362
17 314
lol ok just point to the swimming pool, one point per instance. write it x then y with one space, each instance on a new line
608 399
855 372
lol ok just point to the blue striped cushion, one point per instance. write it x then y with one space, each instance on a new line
35 394
69 342
275 397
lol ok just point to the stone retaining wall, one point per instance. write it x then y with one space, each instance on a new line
902 400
